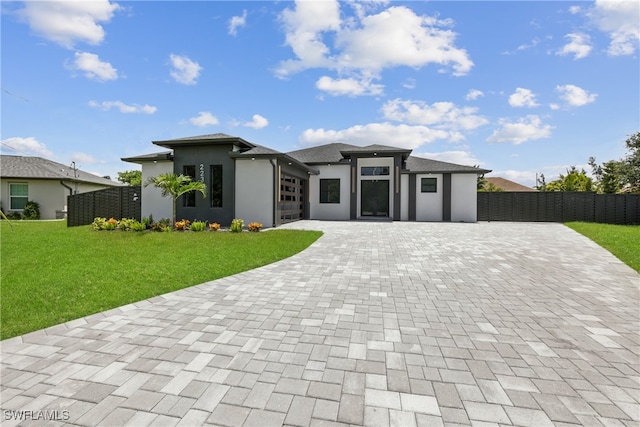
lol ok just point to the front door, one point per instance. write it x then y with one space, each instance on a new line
374 198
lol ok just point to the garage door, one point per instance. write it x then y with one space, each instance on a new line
291 198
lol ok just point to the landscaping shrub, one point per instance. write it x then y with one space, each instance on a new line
138 226
98 223
163 225
182 225
31 210
236 225
198 225
254 226
125 223
111 224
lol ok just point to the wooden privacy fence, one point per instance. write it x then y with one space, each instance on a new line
559 207
115 202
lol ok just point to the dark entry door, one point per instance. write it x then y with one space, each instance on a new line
374 198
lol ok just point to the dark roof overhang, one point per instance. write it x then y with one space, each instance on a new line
153 157
212 139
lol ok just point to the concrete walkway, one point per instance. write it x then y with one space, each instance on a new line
375 324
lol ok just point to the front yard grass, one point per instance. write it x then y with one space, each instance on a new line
623 241
52 274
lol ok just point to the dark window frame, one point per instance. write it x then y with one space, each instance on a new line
429 185
189 199
374 171
216 188
327 194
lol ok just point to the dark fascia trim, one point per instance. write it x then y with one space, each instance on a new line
478 172
284 157
172 143
149 157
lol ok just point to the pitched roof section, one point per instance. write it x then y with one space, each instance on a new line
336 152
420 164
259 150
39 168
508 185
329 153
210 139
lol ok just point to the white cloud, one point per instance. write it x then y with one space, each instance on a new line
366 44
441 115
399 37
458 157
579 46
474 94
526 129
184 70
69 22
124 108
203 119
237 22
304 27
523 98
83 158
404 136
257 122
350 86
619 19
575 96
574 10
26 146
93 67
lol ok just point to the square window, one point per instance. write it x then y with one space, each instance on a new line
429 185
330 191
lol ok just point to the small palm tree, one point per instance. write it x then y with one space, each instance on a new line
175 186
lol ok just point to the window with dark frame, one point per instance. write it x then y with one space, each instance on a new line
330 190
374 170
215 189
429 185
189 199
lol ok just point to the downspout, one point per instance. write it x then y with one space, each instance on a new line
67 187
275 183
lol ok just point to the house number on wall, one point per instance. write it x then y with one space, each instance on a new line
201 172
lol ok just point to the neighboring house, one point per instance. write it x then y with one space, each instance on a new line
48 183
328 182
506 185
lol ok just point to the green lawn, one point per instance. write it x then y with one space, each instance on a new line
51 274
621 240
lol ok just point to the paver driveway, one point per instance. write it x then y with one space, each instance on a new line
375 324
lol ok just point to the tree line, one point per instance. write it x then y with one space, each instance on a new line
610 177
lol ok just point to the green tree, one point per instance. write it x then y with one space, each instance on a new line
481 182
574 180
133 177
174 186
630 165
611 180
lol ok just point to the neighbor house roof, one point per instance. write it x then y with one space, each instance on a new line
508 185
23 167
210 139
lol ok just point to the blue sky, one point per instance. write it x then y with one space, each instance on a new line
517 87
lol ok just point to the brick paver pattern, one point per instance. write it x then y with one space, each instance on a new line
375 324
